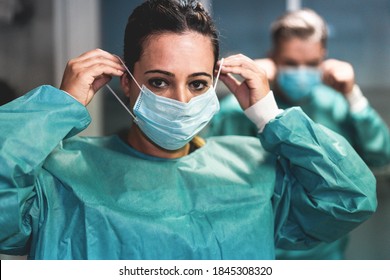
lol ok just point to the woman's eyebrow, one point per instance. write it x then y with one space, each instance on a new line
201 74
172 75
160 72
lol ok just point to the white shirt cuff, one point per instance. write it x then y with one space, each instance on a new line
263 111
357 101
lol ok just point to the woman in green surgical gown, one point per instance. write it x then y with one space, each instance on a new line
161 192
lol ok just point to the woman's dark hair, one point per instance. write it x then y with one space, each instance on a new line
161 16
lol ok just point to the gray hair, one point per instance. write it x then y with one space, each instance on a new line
303 24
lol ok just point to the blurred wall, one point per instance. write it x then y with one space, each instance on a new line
26 49
359 33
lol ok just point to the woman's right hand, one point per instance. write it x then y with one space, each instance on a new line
86 74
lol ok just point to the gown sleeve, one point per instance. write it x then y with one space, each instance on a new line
372 137
323 188
31 127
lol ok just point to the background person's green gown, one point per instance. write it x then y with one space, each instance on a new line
365 130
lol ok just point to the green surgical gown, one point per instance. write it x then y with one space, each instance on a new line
365 131
68 197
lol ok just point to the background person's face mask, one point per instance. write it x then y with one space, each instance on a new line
170 123
297 83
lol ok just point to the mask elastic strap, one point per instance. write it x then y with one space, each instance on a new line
120 101
219 72
116 96
128 71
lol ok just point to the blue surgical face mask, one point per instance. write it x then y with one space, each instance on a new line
170 123
298 83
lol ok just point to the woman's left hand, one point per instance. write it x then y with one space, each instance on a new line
254 83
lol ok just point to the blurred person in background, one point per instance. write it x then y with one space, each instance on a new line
327 92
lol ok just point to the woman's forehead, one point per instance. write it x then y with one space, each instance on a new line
188 50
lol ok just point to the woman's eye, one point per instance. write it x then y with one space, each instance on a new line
313 64
199 85
158 83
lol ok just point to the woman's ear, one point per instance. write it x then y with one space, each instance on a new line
125 84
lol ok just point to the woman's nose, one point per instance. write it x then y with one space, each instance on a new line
182 94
